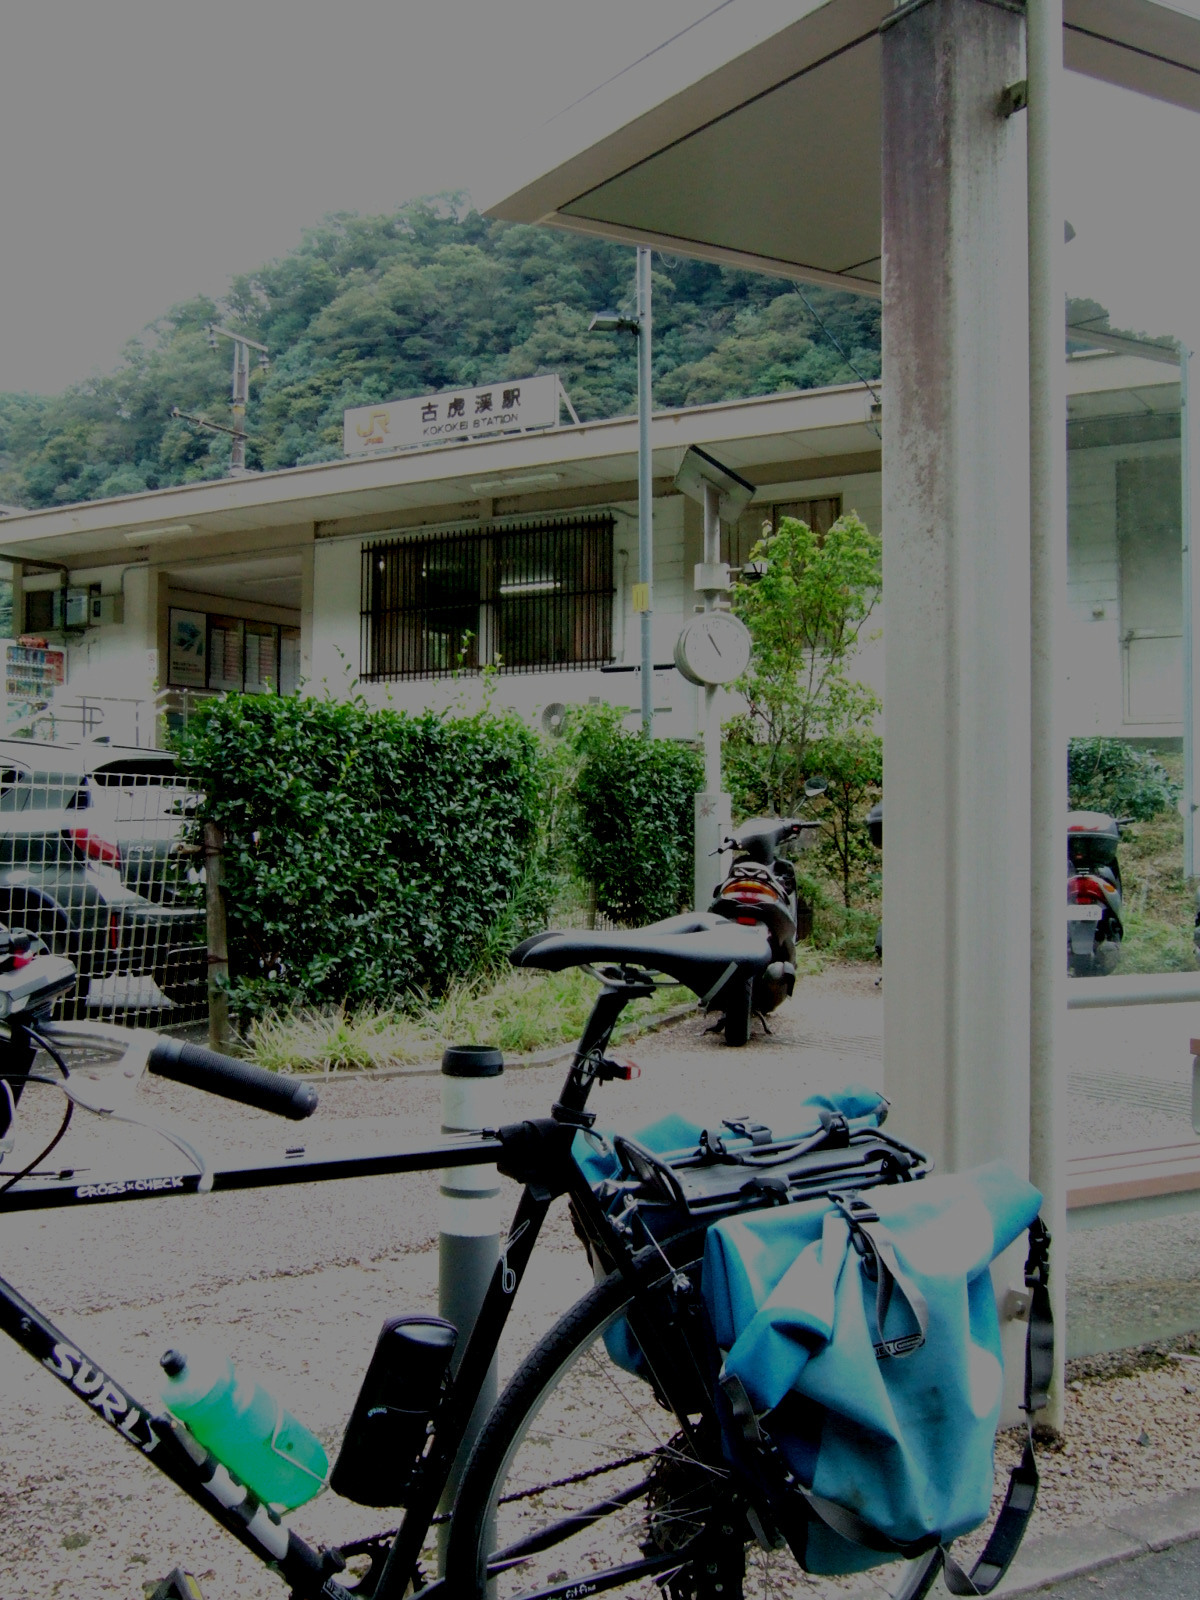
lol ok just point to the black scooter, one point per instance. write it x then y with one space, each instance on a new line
1094 926
760 887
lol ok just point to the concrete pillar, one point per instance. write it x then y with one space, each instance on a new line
957 584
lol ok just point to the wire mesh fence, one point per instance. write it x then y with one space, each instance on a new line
98 860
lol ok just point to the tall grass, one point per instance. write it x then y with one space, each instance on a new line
520 1013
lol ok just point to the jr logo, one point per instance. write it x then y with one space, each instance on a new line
113 1404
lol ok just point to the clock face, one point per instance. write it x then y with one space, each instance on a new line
713 648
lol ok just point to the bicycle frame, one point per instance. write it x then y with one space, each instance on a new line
535 1153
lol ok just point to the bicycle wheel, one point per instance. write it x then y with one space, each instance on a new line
583 1482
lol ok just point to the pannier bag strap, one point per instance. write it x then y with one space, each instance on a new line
1021 1495
880 1266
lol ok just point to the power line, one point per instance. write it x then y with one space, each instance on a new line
866 382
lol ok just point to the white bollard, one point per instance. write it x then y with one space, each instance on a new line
469 1223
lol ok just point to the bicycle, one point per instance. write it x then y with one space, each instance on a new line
601 1467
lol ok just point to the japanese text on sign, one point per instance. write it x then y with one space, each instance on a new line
511 406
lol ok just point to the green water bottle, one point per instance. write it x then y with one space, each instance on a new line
278 1459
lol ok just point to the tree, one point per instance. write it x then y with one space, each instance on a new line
366 309
851 762
805 614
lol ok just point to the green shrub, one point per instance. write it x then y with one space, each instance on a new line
634 825
369 855
1112 776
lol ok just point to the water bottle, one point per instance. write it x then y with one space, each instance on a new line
389 1425
278 1459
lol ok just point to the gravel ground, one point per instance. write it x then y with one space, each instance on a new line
296 1282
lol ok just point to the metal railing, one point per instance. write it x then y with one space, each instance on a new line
96 861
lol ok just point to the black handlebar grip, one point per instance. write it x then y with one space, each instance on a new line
236 1080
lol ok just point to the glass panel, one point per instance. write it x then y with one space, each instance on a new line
289 660
1129 168
262 657
226 637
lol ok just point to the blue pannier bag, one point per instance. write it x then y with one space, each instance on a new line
699 1173
862 1379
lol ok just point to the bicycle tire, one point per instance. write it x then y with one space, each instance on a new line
571 1429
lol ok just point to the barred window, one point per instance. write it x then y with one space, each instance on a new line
820 514
532 598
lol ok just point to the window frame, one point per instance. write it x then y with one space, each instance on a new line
539 592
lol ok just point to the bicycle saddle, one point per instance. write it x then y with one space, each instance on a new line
700 950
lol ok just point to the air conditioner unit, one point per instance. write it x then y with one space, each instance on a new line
104 609
75 610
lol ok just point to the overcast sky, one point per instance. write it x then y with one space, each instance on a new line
152 149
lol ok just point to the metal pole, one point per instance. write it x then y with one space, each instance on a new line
1048 561
712 556
1189 473
468 1227
219 1033
713 816
645 488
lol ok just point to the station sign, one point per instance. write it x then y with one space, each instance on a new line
514 405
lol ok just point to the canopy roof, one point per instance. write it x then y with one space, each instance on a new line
754 138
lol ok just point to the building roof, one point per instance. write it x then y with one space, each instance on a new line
814 425
754 137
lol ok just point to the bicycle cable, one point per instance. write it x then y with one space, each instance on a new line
62 1128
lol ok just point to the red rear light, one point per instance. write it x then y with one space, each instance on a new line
114 931
1083 891
747 922
94 848
750 890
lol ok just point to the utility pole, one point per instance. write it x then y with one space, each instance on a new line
242 347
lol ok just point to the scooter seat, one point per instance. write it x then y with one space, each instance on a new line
700 950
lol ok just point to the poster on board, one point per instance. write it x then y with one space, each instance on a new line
187 651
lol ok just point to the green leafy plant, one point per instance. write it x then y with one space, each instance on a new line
805 614
369 855
1113 776
634 816
852 764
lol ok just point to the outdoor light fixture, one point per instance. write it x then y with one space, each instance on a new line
168 530
611 322
524 480
213 341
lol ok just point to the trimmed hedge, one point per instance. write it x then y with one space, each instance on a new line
369 854
635 818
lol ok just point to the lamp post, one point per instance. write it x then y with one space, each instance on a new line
640 327
713 648
241 388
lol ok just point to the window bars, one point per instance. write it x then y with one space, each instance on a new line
535 597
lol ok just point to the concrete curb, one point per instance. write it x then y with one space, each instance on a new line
1125 1533
540 1058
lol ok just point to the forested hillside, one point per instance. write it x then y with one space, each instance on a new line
367 309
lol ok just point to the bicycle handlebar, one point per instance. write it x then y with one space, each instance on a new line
199 1068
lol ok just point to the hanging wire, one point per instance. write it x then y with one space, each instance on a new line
866 382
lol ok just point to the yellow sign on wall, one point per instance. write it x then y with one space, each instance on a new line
641 597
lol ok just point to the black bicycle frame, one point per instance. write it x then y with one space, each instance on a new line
536 1153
